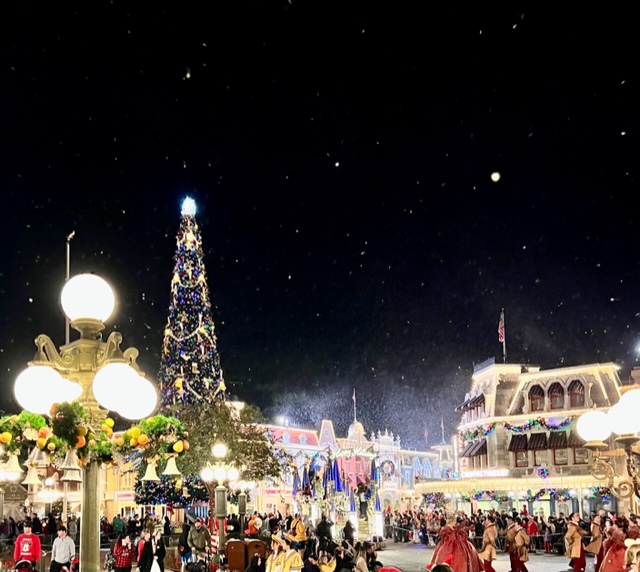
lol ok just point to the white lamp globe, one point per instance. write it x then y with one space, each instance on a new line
219 450
140 400
233 474
87 296
111 384
207 474
220 474
37 388
70 390
631 397
624 418
593 426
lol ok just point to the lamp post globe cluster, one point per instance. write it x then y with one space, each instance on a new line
623 423
220 472
97 374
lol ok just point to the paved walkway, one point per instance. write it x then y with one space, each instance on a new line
414 557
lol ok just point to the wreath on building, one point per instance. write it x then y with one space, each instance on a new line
388 469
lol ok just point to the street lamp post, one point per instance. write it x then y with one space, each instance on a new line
243 487
596 426
97 374
219 473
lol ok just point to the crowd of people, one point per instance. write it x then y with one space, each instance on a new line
471 543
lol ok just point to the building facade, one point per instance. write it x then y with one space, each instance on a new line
517 442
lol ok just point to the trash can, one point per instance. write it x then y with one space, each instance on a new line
236 554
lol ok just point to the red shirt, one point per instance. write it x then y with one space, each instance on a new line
124 555
532 528
27 547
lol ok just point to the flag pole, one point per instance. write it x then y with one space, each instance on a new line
354 405
502 336
69 237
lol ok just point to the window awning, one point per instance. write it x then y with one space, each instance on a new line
518 443
471 402
479 449
575 440
558 440
467 449
538 441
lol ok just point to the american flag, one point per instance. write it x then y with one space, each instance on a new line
501 328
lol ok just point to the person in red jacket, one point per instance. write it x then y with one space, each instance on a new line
27 546
532 531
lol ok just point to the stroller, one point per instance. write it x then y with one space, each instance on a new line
200 564
24 566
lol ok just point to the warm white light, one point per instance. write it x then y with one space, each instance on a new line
70 391
594 426
233 474
207 475
38 387
219 450
188 207
495 176
111 384
140 401
624 418
220 474
632 397
87 296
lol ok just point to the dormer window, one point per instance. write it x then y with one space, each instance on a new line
556 396
536 398
576 394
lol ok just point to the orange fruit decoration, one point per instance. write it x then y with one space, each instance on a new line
81 442
143 439
185 445
5 437
43 432
178 446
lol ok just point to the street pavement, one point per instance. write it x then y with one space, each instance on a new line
411 557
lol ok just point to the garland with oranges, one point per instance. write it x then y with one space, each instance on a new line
154 439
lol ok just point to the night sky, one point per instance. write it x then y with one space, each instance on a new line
341 156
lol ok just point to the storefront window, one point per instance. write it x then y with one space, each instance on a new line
522 459
581 456
540 457
560 457
536 398
556 396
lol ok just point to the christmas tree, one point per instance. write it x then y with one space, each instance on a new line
190 369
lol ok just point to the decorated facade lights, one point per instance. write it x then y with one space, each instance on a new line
623 421
536 423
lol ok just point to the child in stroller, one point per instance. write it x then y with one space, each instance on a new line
24 566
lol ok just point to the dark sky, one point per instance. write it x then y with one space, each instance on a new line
341 156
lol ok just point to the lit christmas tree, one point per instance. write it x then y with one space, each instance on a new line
190 369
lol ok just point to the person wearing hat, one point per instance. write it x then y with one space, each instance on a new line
595 546
275 560
297 529
292 559
27 546
199 538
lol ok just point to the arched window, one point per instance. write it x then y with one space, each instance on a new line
556 396
576 394
536 398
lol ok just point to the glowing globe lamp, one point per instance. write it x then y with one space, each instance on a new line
624 418
140 401
87 296
233 474
111 384
38 387
207 475
188 207
594 426
219 450
220 474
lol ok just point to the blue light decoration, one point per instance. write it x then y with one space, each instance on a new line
374 472
327 475
337 481
296 482
352 502
305 478
377 506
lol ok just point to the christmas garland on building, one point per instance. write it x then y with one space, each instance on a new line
537 423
